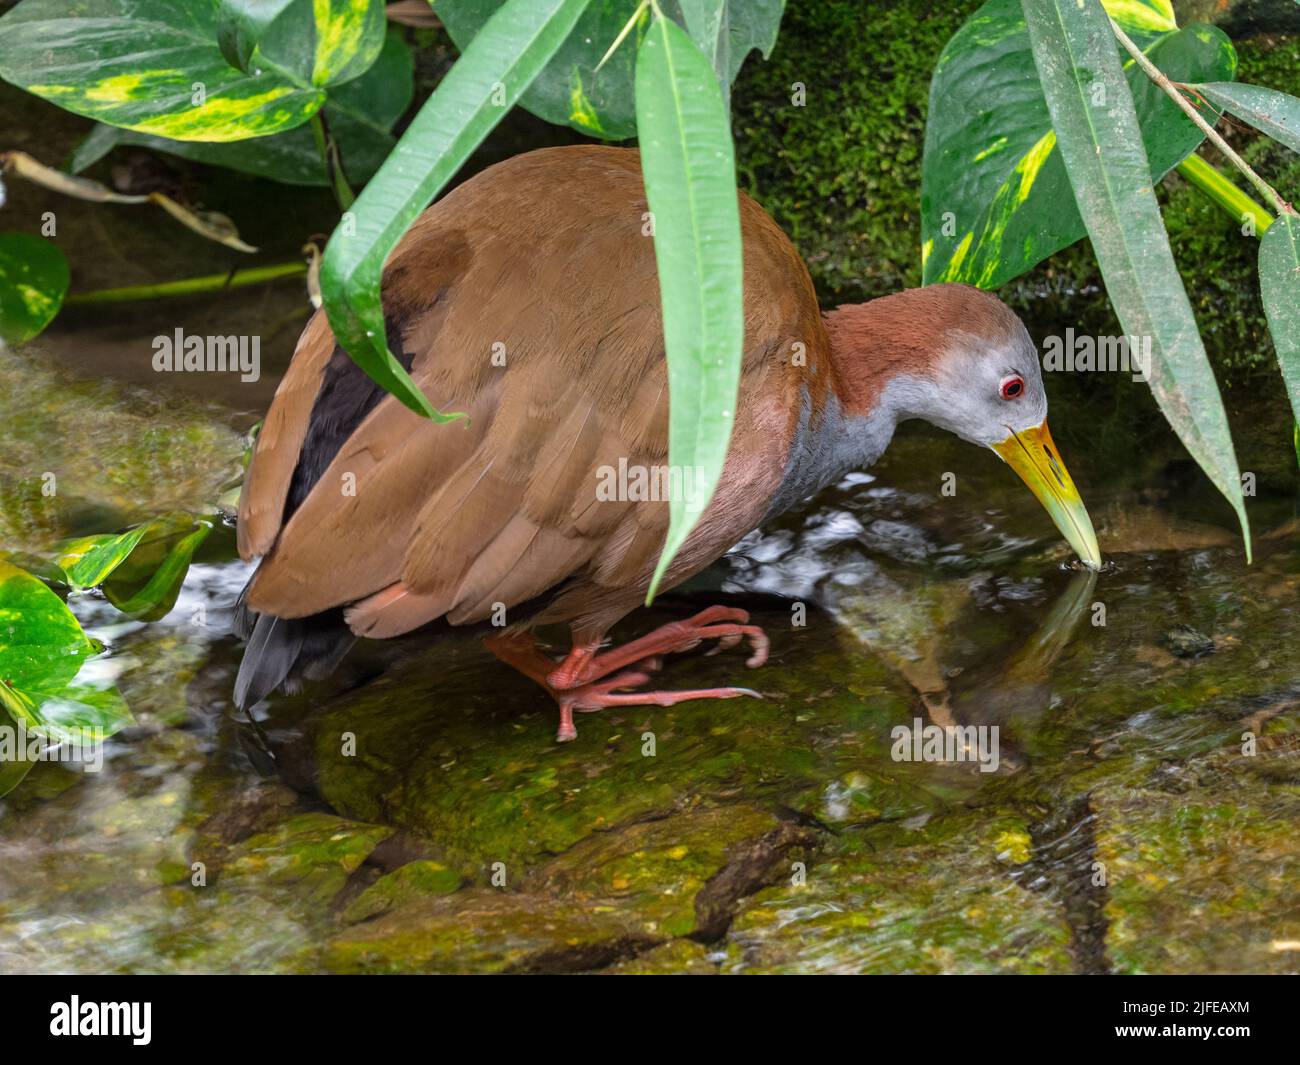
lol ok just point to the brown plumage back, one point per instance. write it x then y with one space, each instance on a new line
541 261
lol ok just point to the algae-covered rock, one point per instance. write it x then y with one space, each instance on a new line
313 853
945 900
1201 878
475 769
486 931
656 870
414 880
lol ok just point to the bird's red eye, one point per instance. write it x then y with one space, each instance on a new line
1012 387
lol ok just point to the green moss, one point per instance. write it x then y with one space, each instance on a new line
313 853
941 900
484 931
653 869
1201 866
483 778
414 880
842 174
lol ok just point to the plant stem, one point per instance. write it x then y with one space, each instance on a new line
191 286
1153 72
332 161
1220 190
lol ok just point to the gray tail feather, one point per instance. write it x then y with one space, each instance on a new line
281 651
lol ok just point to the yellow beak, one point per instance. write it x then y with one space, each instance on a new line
1032 454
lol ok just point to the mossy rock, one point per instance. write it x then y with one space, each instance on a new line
681 957
655 869
478 773
1201 878
313 854
419 879
943 898
484 930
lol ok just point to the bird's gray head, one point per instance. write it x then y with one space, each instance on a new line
960 359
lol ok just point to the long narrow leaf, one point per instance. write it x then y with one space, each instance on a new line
1074 51
1279 284
475 95
1268 110
689 169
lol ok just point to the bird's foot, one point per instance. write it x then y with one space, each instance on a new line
610 679
727 625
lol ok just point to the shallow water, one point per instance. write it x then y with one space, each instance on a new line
414 812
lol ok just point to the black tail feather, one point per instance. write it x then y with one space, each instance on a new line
281 651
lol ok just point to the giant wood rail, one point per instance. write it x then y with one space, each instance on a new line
528 299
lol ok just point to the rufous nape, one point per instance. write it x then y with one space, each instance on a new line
528 299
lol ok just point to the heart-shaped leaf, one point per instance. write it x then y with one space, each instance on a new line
147 65
155 597
320 42
360 114
88 561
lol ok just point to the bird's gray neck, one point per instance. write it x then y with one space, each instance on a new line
836 444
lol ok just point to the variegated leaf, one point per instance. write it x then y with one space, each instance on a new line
995 198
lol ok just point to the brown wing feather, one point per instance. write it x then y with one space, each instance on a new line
261 501
552 270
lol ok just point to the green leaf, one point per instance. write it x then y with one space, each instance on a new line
995 197
1074 50
468 103
33 282
51 681
360 115
1268 110
88 561
1279 285
240 25
569 91
148 65
322 42
155 598
690 179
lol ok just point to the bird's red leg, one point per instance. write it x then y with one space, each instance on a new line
727 624
606 678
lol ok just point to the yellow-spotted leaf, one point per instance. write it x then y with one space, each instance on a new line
360 115
148 65
320 42
33 282
146 588
995 198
